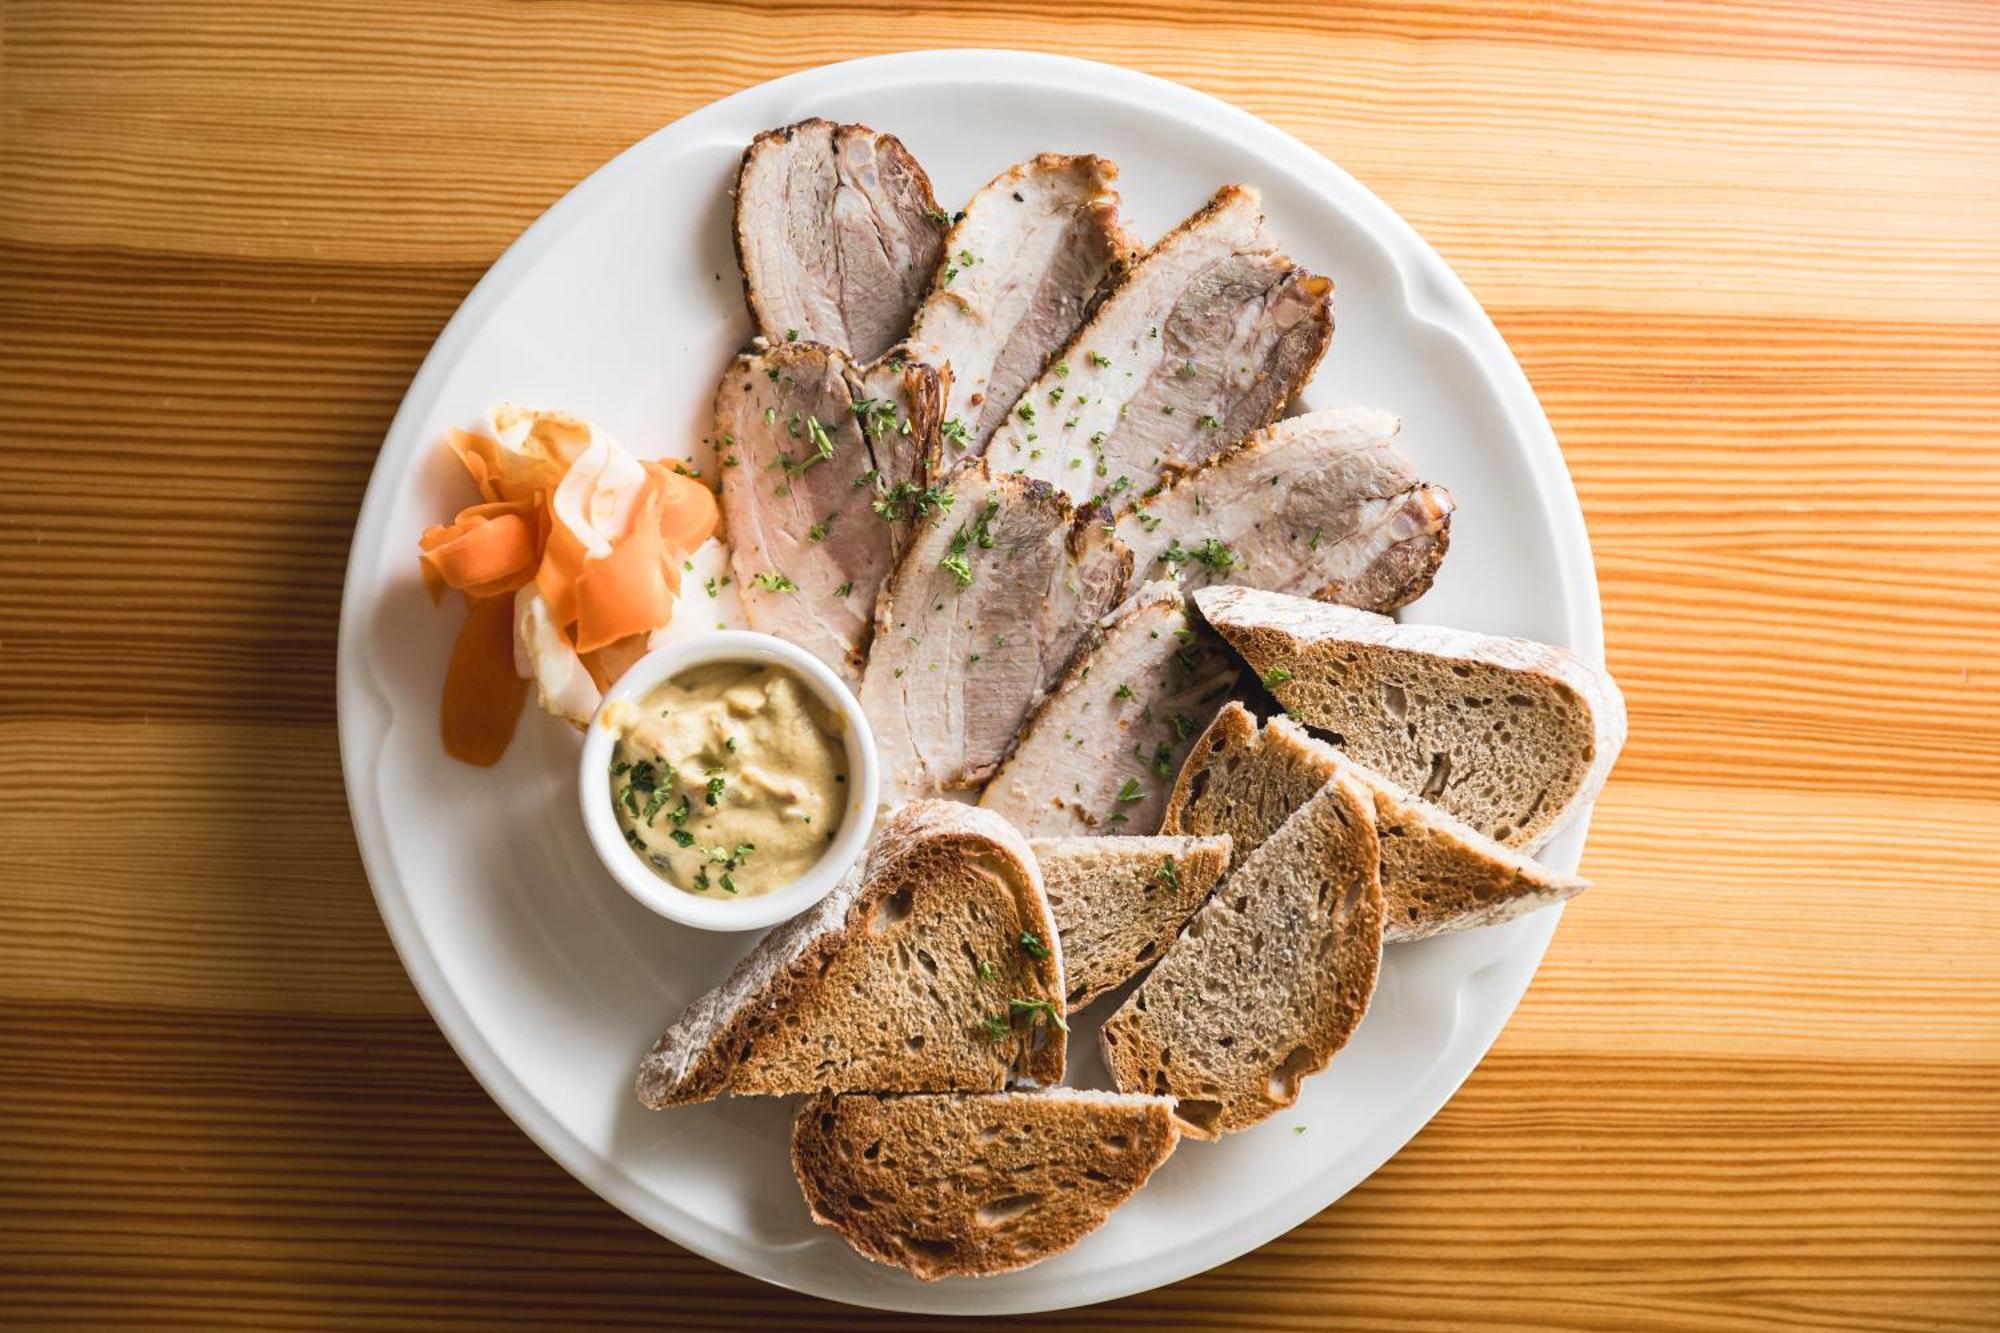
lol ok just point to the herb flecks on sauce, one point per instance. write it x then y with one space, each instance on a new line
729 780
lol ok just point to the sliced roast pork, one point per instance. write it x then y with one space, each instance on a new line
1102 754
837 234
824 468
1001 582
1022 264
1322 505
1205 340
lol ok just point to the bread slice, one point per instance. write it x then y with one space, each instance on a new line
1268 980
936 967
963 1186
1119 902
1508 735
1438 873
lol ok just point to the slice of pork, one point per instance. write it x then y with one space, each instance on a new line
1102 754
1322 505
823 466
999 586
1021 266
837 234
1207 338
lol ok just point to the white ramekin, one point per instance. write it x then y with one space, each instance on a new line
766 909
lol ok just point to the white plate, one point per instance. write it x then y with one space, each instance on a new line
622 304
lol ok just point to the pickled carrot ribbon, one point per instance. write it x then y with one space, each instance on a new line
601 603
482 692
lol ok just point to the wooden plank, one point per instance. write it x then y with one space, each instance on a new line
1745 253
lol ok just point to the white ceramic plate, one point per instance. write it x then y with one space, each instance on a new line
622 304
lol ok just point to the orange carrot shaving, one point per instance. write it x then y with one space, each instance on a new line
487 550
482 693
602 607
687 508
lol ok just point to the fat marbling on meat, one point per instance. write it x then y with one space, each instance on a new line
837 234
824 468
1322 505
1022 264
1206 339
999 586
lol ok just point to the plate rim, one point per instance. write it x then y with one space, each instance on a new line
1452 309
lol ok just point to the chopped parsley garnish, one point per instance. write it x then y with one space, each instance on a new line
1026 411
681 837
713 795
939 216
1313 545
1186 371
770 416
907 500
773 581
1099 360
1032 945
1167 874
1062 369
876 415
980 532
1183 726
1163 759
1276 676
1210 420
1150 522
985 970
1055 394
791 335
822 442
996 1028
1130 792
954 430
1123 692
844 589
1209 551
817 532
1039 1009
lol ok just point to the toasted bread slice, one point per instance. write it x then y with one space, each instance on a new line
936 967
1119 902
1439 874
1508 735
1268 980
963 1186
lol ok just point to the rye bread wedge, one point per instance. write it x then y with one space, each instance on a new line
964 1186
1508 735
934 967
1439 874
1268 980
1119 902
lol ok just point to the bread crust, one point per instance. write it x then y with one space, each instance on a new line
1279 636
1439 874
1295 933
967 1186
704 1054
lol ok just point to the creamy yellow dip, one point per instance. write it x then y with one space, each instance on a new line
729 780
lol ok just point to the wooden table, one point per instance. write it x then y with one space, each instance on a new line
1749 256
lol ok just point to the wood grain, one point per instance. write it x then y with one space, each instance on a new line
1747 256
